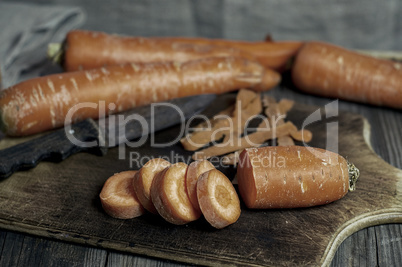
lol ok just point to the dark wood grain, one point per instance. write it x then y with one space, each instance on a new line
61 201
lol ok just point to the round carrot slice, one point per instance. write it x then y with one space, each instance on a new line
168 193
218 199
118 197
194 170
143 180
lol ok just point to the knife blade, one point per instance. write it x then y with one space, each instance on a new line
97 136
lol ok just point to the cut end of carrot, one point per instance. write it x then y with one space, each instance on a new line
245 180
169 195
143 180
118 198
218 199
194 170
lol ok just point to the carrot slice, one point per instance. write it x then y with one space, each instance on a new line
169 195
194 170
143 180
118 197
218 199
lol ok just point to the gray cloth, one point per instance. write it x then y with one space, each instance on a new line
357 24
25 33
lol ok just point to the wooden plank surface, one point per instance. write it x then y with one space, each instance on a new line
61 201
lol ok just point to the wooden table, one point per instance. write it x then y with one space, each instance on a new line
374 246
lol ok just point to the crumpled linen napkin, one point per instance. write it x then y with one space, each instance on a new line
26 31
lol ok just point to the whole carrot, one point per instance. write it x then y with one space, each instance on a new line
42 103
87 49
293 176
332 71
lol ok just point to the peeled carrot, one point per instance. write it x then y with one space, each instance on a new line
293 176
332 71
118 197
194 170
42 103
218 199
169 195
87 49
143 180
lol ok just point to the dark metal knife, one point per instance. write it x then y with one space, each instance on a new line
96 136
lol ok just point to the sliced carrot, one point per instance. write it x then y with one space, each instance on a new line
143 180
218 199
118 197
250 140
293 177
169 195
194 170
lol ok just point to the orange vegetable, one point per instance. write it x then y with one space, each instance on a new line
332 71
194 170
218 199
42 103
143 180
118 197
169 195
87 50
293 176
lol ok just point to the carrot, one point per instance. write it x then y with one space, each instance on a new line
169 195
230 122
218 199
42 103
293 176
143 180
254 139
194 170
332 71
271 54
87 50
118 198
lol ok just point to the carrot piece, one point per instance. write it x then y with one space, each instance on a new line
293 176
302 135
332 71
169 195
118 197
248 105
202 137
218 199
194 170
250 140
87 50
143 180
230 123
42 103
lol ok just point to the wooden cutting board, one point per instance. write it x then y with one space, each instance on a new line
60 200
